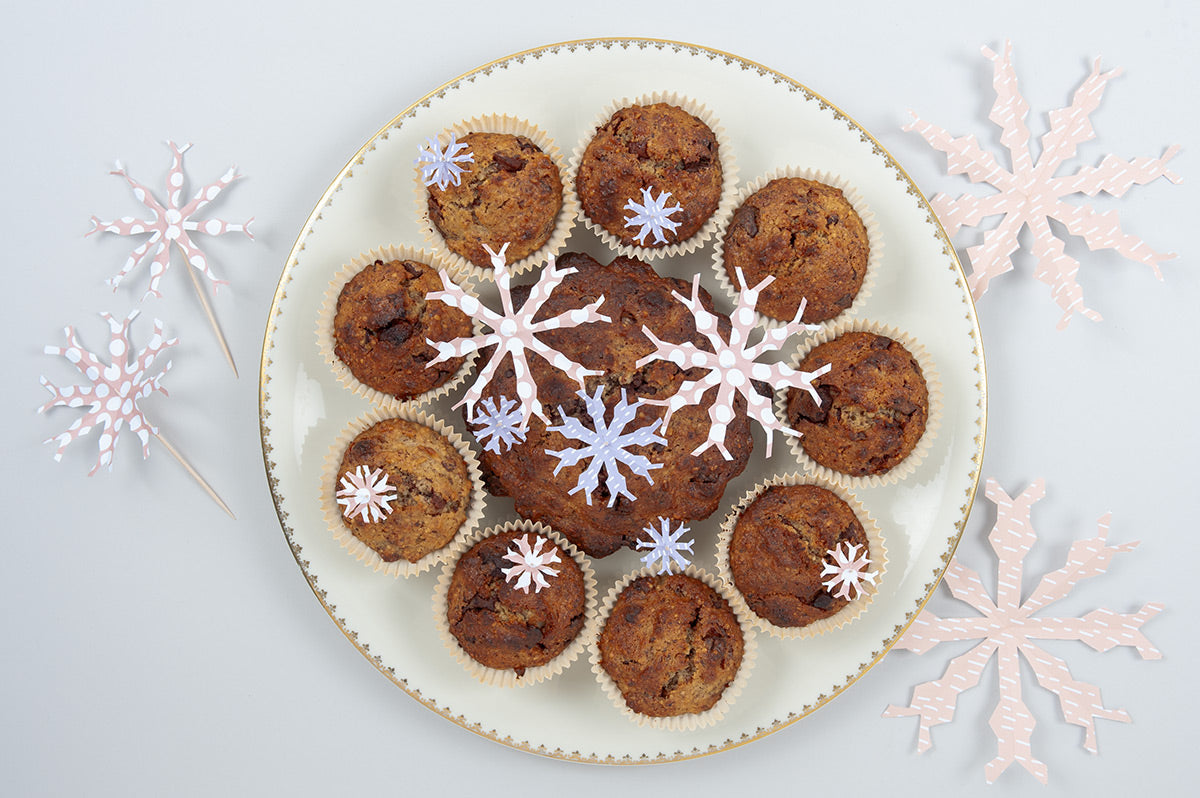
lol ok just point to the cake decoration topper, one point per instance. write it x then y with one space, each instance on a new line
607 446
366 492
733 366
502 426
665 546
532 565
652 215
1032 193
847 571
513 332
1008 626
441 166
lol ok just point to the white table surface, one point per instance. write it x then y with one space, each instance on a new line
153 646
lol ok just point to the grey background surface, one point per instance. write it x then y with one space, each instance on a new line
152 646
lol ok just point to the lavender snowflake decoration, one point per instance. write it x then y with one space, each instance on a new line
652 215
665 547
732 365
513 332
366 493
607 446
171 223
532 565
501 426
442 166
116 390
848 571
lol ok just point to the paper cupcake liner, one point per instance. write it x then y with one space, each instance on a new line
853 196
876 547
933 419
729 172
325 316
333 512
696 720
567 214
509 678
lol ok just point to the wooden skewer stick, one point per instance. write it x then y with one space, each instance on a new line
195 474
212 319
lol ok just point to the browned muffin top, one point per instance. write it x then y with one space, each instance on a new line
672 644
502 627
808 236
381 324
512 193
778 551
433 488
643 146
874 404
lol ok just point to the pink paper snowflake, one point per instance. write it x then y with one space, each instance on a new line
1032 193
1008 626
171 223
117 388
366 493
847 571
532 564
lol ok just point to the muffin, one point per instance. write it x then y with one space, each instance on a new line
685 486
671 644
808 236
661 148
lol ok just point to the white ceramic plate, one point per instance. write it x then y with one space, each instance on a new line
772 121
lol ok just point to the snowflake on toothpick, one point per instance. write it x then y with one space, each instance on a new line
441 166
115 393
513 332
1031 193
732 365
1008 626
665 546
366 493
532 564
501 426
171 223
607 446
848 571
652 215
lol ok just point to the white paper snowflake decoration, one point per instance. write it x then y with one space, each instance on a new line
532 564
441 166
652 215
366 493
502 426
665 547
732 366
847 571
606 445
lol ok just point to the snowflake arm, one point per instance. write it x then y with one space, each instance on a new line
502 425
934 702
652 215
531 564
665 547
441 166
366 493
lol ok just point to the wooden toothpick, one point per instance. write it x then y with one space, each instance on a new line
208 311
195 474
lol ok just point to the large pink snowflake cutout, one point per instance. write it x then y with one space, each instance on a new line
1031 193
171 223
1008 626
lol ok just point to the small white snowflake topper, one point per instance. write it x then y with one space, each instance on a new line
652 215
366 492
513 332
171 223
848 571
607 446
665 546
501 426
442 166
116 390
731 366
532 564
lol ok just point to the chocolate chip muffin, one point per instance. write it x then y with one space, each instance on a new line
512 193
778 550
686 487
432 483
808 237
656 146
874 404
671 644
381 324
503 627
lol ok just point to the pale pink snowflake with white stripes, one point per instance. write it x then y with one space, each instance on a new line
732 365
115 391
171 223
1008 627
848 571
532 564
366 493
